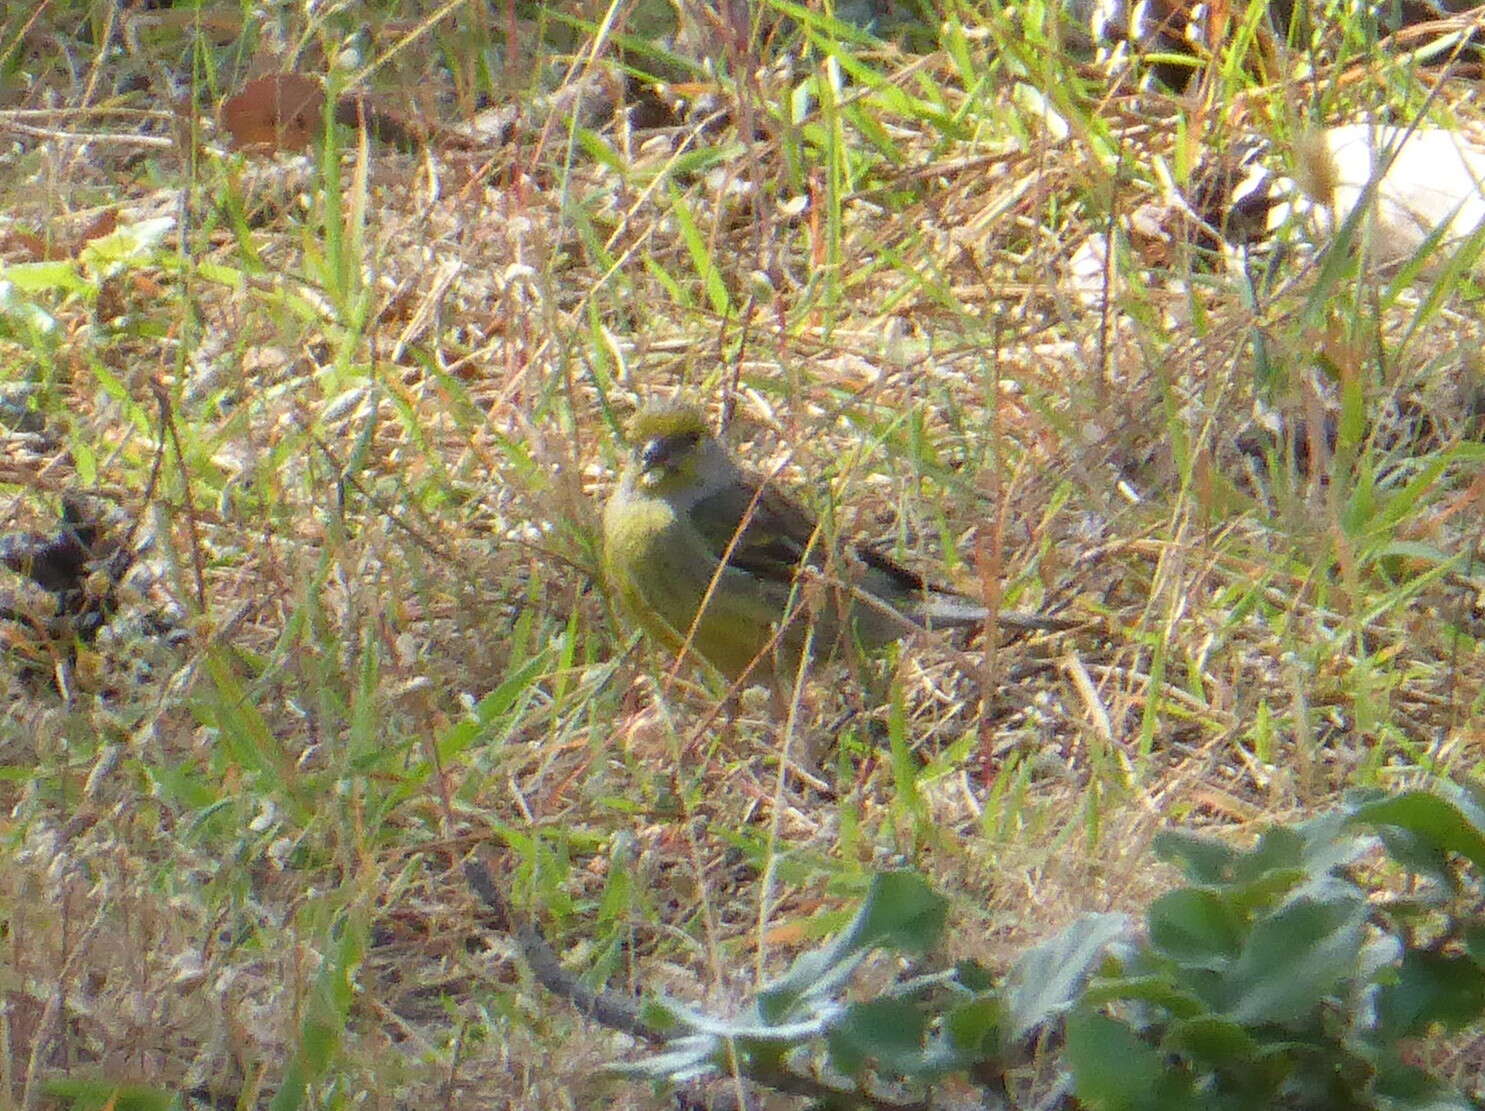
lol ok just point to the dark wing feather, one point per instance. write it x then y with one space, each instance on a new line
775 533
907 580
780 535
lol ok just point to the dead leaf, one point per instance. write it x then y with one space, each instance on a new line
282 111
105 223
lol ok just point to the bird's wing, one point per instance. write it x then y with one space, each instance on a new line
773 534
889 571
779 536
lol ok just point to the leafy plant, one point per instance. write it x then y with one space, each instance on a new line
1300 973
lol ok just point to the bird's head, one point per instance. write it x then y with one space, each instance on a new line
672 450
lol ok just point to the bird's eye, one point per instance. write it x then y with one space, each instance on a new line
662 451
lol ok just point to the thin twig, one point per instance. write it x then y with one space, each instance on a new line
617 1012
153 142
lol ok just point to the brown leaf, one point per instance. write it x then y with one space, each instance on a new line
22 246
105 223
282 111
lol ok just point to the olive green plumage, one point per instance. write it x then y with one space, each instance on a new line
687 527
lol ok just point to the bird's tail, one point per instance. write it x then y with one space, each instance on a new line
944 611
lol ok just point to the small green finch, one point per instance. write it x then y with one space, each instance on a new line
708 558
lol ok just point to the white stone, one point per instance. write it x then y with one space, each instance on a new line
1435 179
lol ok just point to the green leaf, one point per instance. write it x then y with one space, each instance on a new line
1155 990
1204 859
1432 989
1420 855
60 275
245 732
975 1029
701 258
1048 978
901 912
37 328
1449 824
885 1032
1474 943
1194 926
1412 549
1212 1041
1112 1067
659 1015
1402 1087
128 243
1314 848
1279 848
1265 890
973 976
96 1095
85 459
1298 956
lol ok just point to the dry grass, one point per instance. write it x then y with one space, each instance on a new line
364 408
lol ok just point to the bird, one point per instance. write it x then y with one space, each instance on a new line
708 558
